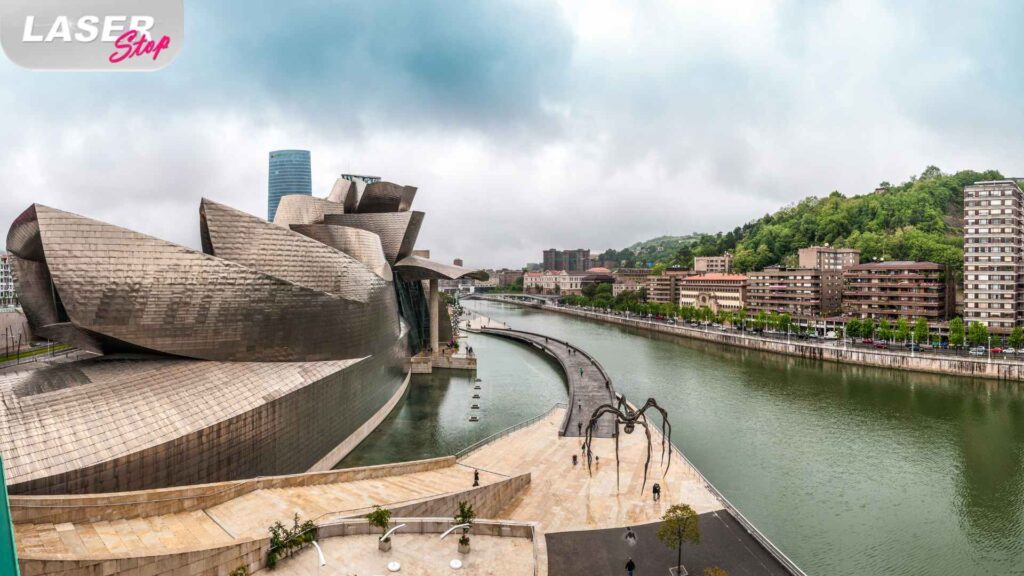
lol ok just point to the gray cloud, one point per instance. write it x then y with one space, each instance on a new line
527 125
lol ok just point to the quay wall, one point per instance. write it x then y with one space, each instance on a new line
951 365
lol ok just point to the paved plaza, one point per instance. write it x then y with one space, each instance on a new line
418 554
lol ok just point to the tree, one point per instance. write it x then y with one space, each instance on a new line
902 330
380 518
465 515
679 525
853 328
956 332
921 330
884 333
658 268
977 334
1017 337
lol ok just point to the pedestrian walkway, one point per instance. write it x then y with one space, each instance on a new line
589 385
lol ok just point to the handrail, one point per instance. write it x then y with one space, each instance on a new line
501 434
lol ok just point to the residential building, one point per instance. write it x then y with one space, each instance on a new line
993 261
713 264
569 260
563 282
664 289
8 295
802 293
828 258
290 173
627 286
719 292
508 277
895 290
633 274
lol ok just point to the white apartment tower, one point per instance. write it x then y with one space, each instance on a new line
993 261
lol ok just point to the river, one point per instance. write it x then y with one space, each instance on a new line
849 470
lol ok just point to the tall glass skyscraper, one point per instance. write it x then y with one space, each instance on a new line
289 174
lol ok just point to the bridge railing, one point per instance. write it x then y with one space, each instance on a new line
483 442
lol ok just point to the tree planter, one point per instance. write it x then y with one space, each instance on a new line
384 545
674 572
463 548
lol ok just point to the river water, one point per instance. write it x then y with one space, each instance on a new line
849 470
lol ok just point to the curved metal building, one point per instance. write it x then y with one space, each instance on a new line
274 350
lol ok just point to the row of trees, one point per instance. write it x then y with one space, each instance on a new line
976 334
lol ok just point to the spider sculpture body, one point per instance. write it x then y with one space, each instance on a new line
627 418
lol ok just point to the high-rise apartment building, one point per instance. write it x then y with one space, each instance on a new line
290 173
713 264
569 260
894 290
828 258
993 265
8 296
800 292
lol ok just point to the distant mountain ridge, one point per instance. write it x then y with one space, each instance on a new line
920 219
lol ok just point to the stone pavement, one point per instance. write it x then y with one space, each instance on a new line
419 555
589 385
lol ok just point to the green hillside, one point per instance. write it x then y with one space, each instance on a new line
920 219
660 249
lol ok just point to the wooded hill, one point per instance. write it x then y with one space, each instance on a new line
921 219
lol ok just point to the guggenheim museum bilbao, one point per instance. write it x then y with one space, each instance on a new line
274 350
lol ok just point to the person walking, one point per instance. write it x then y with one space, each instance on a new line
656 489
476 478
630 567
579 428
574 460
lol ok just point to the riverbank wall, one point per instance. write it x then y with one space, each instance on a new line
832 352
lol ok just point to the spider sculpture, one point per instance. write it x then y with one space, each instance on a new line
628 419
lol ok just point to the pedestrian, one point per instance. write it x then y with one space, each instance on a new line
574 460
656 489
581 372
579 407
476 478
597 460
579 428
630 567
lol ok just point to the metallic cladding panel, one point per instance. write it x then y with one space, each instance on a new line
197 421
280 252
386 197
397 231
359 244
345 193
305 210
154 295
420 268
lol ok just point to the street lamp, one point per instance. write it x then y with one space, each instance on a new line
990 349
320 553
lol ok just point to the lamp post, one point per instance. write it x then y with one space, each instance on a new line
321 561
990 349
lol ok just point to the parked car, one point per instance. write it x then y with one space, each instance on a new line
1009 350
881 345
997 350
914 347
927 347
867 341
977 351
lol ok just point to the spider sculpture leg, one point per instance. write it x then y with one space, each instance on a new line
592 425
647 464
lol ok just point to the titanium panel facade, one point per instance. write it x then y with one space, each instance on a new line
305 210
386 197
132 293
359 244
397 231
420 268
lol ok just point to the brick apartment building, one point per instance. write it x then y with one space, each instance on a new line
802 293
894 290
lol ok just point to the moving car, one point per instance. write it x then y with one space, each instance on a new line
881 345
977 351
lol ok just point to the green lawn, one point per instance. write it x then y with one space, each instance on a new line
34 352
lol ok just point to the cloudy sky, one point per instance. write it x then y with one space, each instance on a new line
527 125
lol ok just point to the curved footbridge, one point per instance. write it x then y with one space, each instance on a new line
589 384
546 515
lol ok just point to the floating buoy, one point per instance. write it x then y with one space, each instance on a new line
475 396
477 379
475 407
476 387
474 419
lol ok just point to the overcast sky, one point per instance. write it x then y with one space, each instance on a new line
527 125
